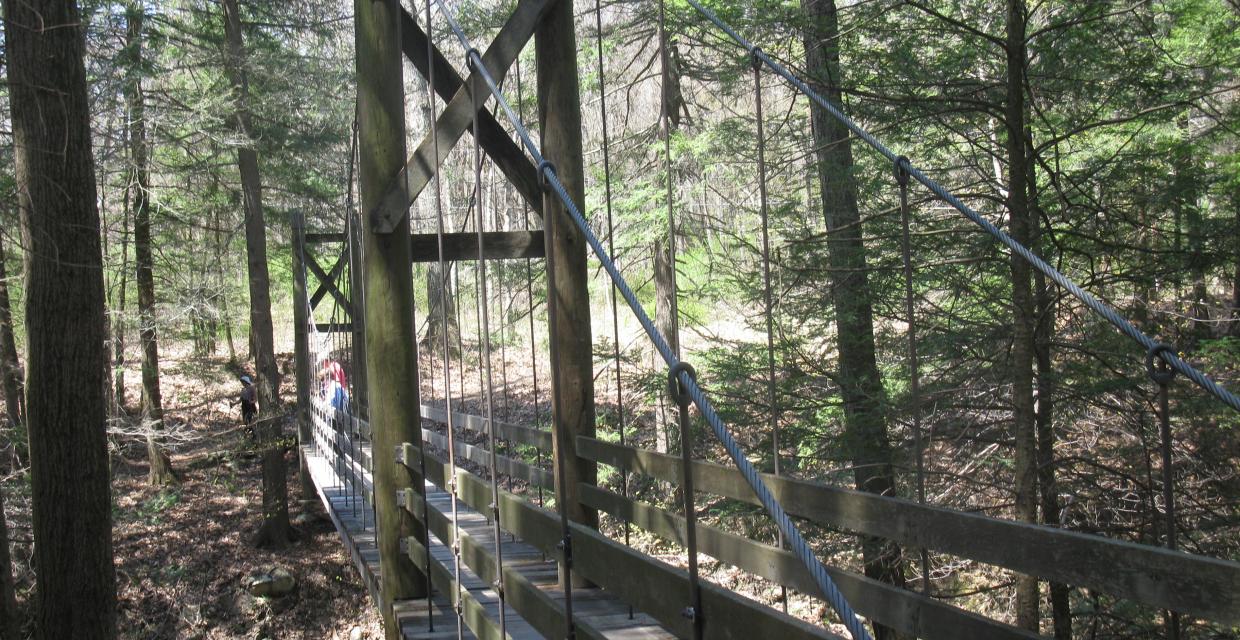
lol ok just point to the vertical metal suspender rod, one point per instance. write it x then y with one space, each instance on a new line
485 328
767 298
914 373
1160 371
611 246
447 368
529 289
688 385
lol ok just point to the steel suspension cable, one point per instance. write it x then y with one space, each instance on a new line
485 328
447 368
688 384
1098 307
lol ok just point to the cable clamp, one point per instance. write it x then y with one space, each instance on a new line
470 57
903 170
544 168
689 613
755 57
498 587
1157 367
674 388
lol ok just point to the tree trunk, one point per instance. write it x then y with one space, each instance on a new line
275 530
439 301
66 368
152 400
1023 320
10 366
1044 334
666 321
865 422
10 625
118 327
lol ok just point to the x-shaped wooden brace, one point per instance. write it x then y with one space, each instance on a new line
327 282
458 116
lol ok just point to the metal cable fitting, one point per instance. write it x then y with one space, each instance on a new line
543 168
674 388
903 172
755 57
470 57
1156 366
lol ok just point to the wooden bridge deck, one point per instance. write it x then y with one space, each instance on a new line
350 513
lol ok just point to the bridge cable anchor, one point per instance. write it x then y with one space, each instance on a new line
1157 367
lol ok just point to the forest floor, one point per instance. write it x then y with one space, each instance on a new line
183 552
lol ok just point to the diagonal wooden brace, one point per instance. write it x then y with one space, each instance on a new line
457 116
327 283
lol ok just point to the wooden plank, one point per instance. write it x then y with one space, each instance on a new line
496 245
330 327
457 116
515 433
905 611
1198 585
503 464
324 238
649 585
495 141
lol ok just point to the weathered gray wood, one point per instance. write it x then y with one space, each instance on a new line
905 611
301 355
1201 586
392 368
495 141
568 295
651 586
512 432
327 282
496 245
457 116
503 465
324 238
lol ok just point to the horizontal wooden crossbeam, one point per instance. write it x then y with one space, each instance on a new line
496 245
334 327
324 238
458 116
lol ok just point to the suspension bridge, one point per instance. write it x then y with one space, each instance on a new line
466 525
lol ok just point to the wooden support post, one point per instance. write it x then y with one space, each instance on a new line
559 115
391 366
361 401
301 350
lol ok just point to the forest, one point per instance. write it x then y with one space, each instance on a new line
196 304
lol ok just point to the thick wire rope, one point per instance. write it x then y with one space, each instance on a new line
688 385
914 368
485 328
447 367
611 247
767 298
1098 307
